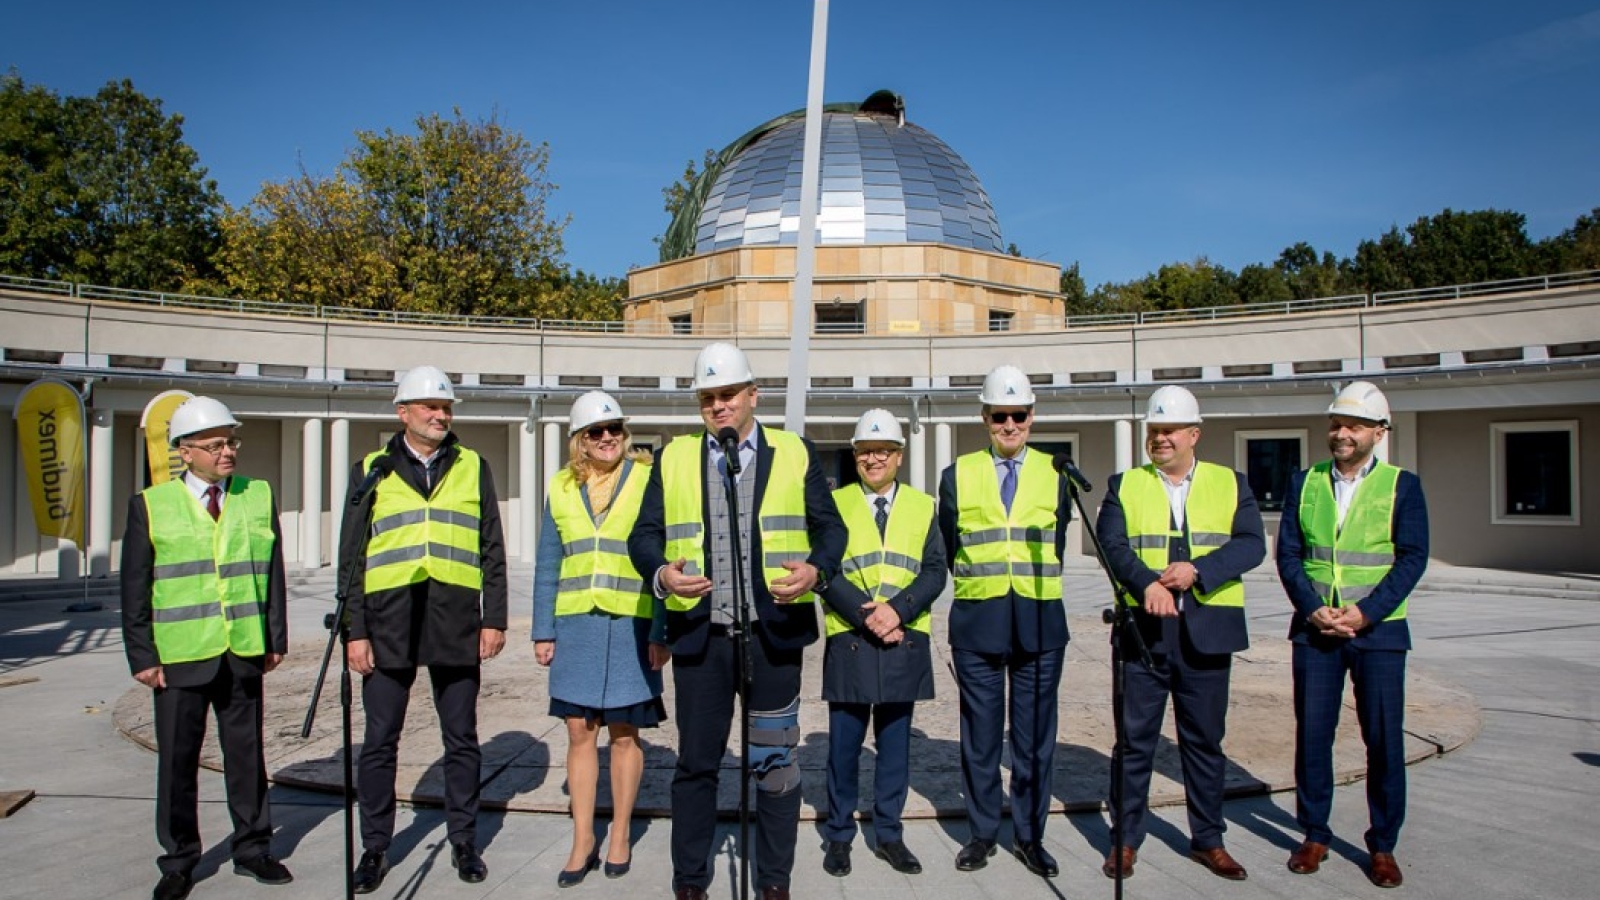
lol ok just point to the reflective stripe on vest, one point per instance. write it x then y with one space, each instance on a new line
1345 564
998 553
780 516
209 589
883 567
1207 513
595 570
415 538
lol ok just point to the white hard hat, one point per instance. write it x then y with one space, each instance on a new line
198 414
1361 400
593 407
1006 386
878 425
1172 405
721 365
424 383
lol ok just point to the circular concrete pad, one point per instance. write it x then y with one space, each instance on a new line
524 748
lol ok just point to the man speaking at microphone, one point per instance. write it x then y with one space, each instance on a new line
791 538
1179 534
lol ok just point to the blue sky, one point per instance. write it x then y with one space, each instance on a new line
1121 135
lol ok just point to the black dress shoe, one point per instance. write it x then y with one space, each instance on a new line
264 869
617 870
574 877
1037 859
899 857
689 892
975 855
370 871
469 865
836 858
172 886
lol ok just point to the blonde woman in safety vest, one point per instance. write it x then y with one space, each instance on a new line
1352 546
1179 534
592 617
792 539
1003 514
203 618
427 559
878 663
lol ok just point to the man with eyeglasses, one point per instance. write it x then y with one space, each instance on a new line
203 619
1003 514
877 662
425 559
791 537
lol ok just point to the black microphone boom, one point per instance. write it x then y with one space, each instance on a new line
381 466
1064 466
729 439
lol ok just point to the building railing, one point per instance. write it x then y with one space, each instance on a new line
1558 281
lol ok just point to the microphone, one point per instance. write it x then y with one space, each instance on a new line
1063 465
381 466
729 439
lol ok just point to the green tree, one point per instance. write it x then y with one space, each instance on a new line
448 219
1577 248
1191 286
1262 284
1465 247
676 194
1074 291
1310 276
1382 265
102 189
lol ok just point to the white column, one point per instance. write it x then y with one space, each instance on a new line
528 487
942 453
917 458
338 481
311 496
552 452
9 498
1123 431
99 500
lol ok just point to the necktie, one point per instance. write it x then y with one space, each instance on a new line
882 515
1008 484
214 501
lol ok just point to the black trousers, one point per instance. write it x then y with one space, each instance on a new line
1033 681
385 694
180 733
706 686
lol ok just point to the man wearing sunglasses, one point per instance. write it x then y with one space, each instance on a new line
1003 513
792 539
203 618
426 565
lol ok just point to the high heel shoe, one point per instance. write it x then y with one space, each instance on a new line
574 877
617 870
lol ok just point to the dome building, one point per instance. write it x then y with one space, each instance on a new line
907 240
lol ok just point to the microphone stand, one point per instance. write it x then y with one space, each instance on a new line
338 625
741 642
1124 630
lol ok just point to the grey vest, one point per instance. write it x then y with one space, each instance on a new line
719 549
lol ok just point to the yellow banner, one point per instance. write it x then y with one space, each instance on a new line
163 459
50 437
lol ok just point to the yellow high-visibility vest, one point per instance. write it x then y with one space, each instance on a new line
999 552
883 567
1208 513
1346 563
595 569
414 538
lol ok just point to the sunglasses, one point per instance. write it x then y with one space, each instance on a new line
1018 416
596 432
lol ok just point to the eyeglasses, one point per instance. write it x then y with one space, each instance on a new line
880 454
215 447
596 432
1018 416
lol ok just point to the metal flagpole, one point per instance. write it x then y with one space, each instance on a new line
805 254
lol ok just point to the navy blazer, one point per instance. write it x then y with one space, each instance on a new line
1003 624
1410 530
783 626
1211 629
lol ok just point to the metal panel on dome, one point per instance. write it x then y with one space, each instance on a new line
882 182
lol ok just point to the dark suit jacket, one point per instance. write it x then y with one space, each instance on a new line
859 668
1003 624
138 584
428 623
787 626
1211 629
1410 530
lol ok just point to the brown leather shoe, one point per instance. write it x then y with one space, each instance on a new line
1129 857
1307 858
1384 872
773 892
689 892
1220 863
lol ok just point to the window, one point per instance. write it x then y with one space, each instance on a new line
839 317
683 323
1000 319
1268 459
1534 473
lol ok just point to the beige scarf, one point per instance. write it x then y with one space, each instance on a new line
602 487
